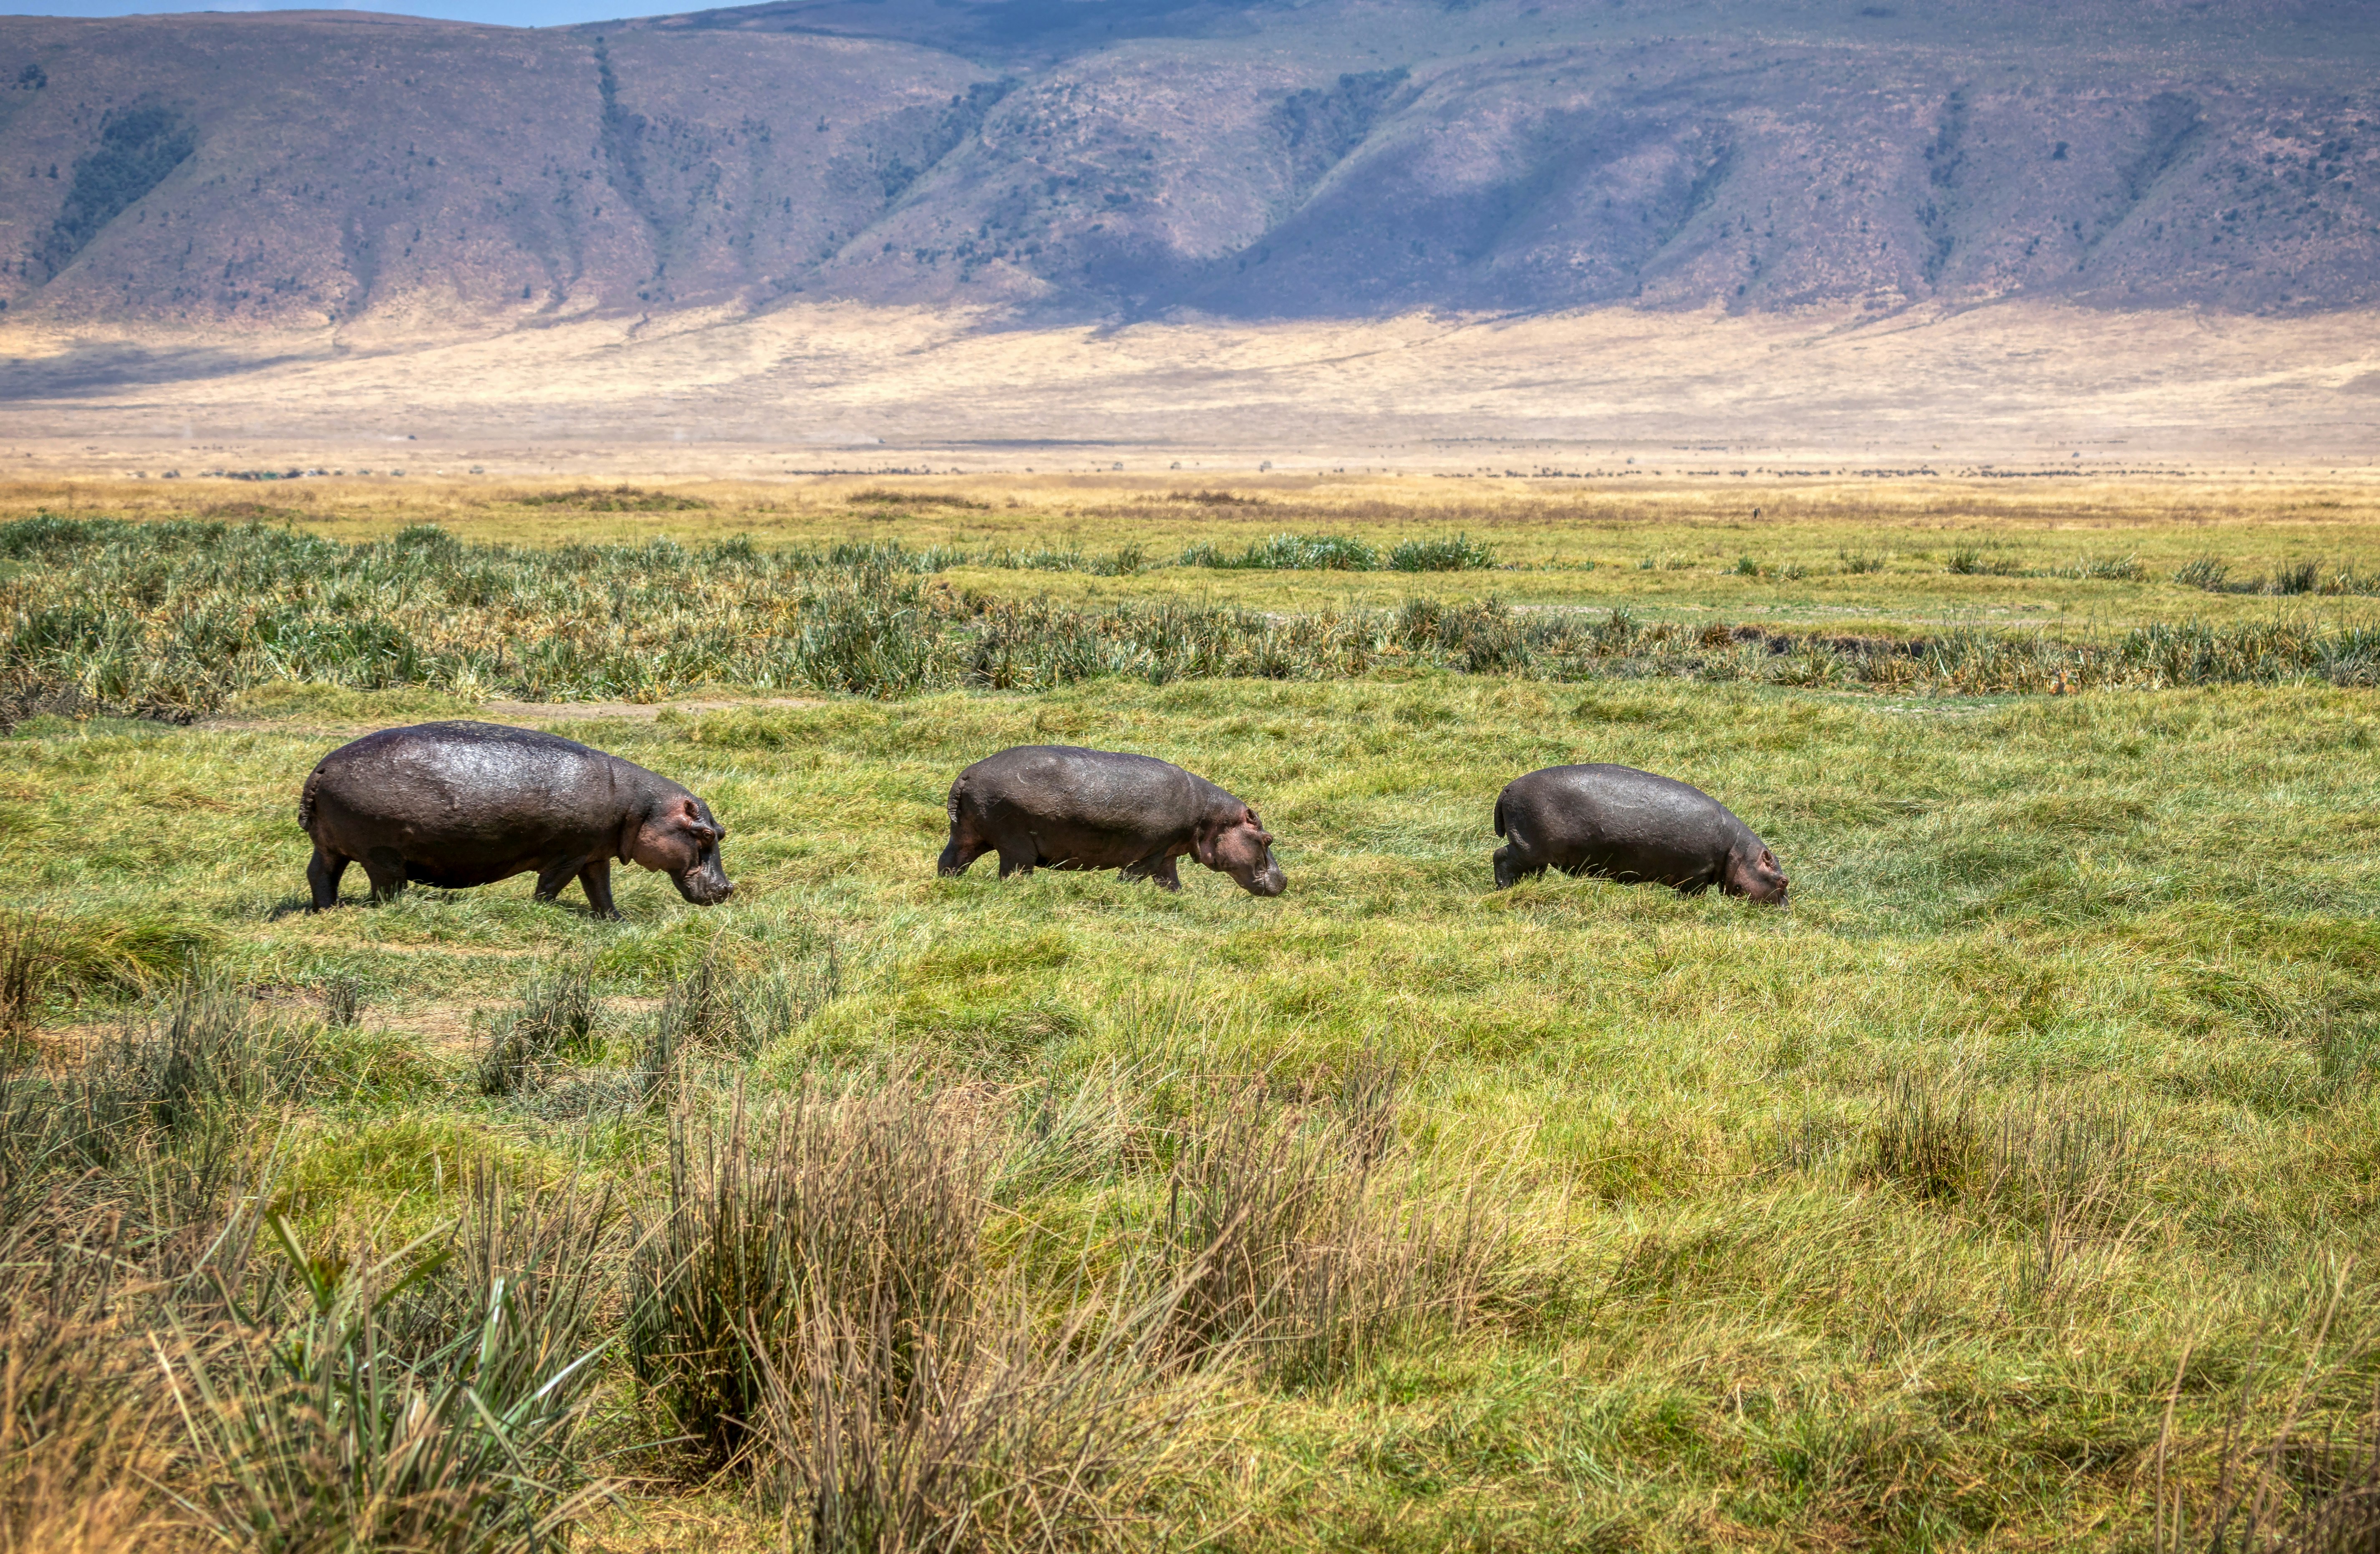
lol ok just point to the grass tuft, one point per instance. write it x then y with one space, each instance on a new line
885 496
1461 554
1290 553
1215 498
327 1424
614 499
863 1201
1293 1242
25 969
555 1023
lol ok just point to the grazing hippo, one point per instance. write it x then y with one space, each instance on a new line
1055 805
1615 822
460 804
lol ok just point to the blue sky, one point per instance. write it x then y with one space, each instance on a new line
507 13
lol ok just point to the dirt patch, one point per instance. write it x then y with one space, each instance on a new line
443 1029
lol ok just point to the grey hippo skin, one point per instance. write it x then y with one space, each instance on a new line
461 804
1615 822
1054 807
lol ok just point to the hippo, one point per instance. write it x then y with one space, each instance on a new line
462 804
1615 822
1057 806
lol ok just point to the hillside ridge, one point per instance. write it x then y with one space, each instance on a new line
1069 161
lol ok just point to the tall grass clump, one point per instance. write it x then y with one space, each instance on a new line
1939 1139
1297 1242
614 499
865 1201
1002 1432
724 1007
1462 553
882 496
2064 1176
326 1420
1291 552
1122 562
82 1434
342 1003
2293 580
201 1054
2302 1480
555 1023
24 969
816 1309
73 956
1970 562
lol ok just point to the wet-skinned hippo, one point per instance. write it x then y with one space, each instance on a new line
462 804
1615 822
1054 807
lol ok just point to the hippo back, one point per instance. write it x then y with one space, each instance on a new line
462 781
1100 790
1618 819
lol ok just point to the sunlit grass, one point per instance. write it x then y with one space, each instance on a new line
1947 549
1896 1220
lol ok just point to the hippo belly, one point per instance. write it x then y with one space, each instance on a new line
1066 841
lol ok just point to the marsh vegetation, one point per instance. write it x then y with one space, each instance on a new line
2015 1189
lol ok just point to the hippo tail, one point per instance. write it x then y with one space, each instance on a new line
1500 812
306 801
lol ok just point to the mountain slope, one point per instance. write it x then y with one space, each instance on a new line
1115 159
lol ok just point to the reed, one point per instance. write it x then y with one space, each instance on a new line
173 619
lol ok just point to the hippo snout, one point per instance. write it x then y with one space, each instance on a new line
1271 882
705 887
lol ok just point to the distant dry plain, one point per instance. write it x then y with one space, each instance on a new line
1614 393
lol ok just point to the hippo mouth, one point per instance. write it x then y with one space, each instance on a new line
704 889
1270 883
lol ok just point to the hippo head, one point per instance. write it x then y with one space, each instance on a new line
1754 873
678 837
1242 848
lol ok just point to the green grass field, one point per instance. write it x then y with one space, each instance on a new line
2020 1188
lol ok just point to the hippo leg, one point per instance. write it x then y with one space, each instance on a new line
1019 858
555 875
385 867
1157 867
596 880
323 877
1510 868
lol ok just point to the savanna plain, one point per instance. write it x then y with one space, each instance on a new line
2017 1187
